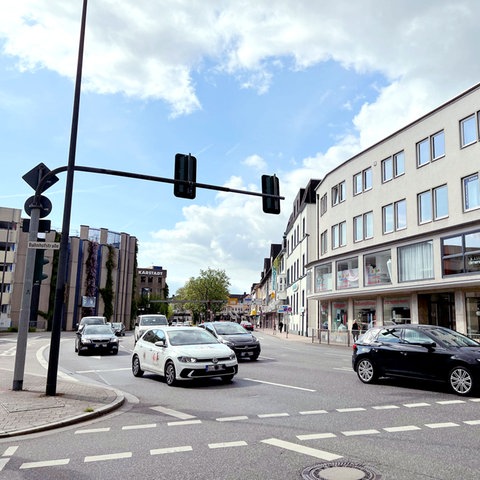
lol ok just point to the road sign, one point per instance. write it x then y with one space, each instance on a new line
34 176
44 245
44 202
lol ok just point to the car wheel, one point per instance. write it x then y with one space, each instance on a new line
227 378
460 380
366 371
136 367
170 374
114 352
254 358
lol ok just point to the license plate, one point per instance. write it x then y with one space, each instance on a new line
246 354
214 368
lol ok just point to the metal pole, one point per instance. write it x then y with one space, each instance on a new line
51 388
24 319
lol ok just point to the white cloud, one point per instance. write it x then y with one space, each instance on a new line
256 162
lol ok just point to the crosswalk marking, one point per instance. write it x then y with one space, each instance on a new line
294 447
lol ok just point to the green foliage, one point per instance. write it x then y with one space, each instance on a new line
206 294
107 292
91 276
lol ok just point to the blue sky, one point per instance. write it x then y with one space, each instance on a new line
292 87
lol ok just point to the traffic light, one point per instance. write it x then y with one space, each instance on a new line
40 262
271 186
186 171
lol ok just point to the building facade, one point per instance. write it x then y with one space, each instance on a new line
399 227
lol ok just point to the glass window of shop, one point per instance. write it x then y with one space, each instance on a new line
339 315
323 316
415 262
378 268
364 312
461 254
473 316
396 310
347 273
323 277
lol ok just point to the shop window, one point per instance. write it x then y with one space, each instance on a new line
378 268
415 262
461 254
323 277
347 273
396 310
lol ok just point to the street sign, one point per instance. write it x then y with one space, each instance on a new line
34 176
44 245
45 205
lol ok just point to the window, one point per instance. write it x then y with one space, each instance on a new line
338 193
323 205
378 268
347 273
339 235
323 277
362 181
471 192
387 169
415 262
468 130
394 216
363 227
323 242
399 164
461 254
431 148
438 145
433 204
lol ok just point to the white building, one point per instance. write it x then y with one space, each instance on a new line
399 228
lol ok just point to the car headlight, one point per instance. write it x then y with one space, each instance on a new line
185 359
114 340
233 356
85 340
227 342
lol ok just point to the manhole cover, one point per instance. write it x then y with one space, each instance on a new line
340 470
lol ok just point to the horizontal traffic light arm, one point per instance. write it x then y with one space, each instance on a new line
151 178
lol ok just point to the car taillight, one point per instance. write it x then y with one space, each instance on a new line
354 347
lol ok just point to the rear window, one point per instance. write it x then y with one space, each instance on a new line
153 321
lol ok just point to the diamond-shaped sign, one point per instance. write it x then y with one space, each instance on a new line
34 176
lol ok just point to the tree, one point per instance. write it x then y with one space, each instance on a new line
206 294
107 293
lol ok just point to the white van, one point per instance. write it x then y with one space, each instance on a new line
145 322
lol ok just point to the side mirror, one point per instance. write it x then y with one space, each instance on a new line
160 343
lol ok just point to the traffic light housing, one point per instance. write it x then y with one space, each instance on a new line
40 262
185 171
271 186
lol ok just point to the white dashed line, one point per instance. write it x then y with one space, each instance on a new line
450 402
46 463
294 447
405 428
3 463
139 427
352 433
346 410
316 436
313 412
272 415
232 419
227 444
163 451
472 422
280 385
386 407
187 422
110 456
92 430
416 405
442 425
173 413
10 451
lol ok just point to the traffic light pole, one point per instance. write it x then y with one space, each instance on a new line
24 319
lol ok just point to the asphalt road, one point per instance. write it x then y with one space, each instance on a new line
298 407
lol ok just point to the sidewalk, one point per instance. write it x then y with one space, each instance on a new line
31 410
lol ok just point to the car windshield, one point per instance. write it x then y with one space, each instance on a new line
117 325
93 321
97 330
452 338
153 321
229 329
190 337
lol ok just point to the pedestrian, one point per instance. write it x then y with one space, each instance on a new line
280 326
355 331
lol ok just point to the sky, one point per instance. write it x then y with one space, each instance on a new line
249 87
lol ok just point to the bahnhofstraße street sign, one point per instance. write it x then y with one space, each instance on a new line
44 245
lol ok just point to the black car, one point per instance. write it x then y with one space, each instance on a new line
426 352
96 338
243 343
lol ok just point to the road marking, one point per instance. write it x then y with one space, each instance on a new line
46 463
272 415
10 451
102 371
352 433
44 364
450 402
92 430
3 463
138 427
312 412
162 451
475 399
280 385
472 422
110 456
186 422
227 444
346 410
415 405
172 413
344 369
232 419
441 425
316 436
294 447
405 428
385 407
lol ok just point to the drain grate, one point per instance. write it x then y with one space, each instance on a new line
340 470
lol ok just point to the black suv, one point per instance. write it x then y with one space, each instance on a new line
242 342
426 352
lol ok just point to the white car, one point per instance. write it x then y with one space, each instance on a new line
183 353
144 322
